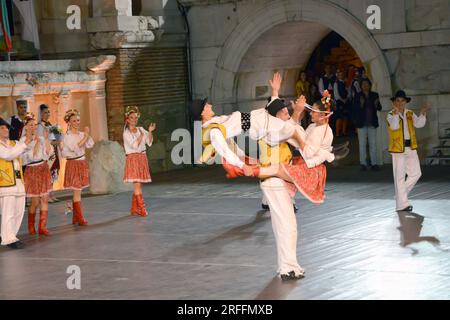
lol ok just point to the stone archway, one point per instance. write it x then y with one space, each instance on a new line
283 11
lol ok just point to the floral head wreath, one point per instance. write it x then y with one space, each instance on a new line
132 109
326 100
29 116
70 113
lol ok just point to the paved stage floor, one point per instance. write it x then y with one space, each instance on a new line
207 238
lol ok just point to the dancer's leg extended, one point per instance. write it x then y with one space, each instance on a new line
274 171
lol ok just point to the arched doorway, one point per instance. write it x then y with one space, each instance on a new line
293 29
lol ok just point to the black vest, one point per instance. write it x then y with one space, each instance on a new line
343 93
15 132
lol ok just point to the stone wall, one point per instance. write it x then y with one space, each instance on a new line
411 51
154 79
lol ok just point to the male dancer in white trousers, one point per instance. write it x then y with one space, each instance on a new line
402 145
12 191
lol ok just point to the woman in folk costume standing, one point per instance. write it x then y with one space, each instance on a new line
12 191
76 175
54 137
37 179
137 171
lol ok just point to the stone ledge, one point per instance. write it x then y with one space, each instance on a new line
121 23
413 39
96 64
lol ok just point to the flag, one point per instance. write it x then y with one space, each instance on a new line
28 20
4 20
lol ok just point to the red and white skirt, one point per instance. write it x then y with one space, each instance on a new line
76 175
309 181
136 168
37 180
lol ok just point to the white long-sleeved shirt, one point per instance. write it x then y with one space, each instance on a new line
318 141
262 126
321 85
394 122
11 153
70 148
29 156
130 141
323 154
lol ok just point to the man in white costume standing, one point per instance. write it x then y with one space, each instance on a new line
12 191
403 147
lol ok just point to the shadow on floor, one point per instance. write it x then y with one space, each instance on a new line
410 228
277 289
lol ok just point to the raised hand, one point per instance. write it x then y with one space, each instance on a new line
152 127
300 103
275 83
86 131
424 108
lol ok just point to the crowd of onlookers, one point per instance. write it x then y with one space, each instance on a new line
355 105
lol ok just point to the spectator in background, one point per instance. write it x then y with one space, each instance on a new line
314 94
341 96
17 121
356 86
364 116
351 73
302 86
326 82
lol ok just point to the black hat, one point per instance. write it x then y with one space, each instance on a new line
275 106
196 108
401 94
4 123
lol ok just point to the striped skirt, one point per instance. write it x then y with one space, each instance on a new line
308 181
37 180
136 168
76 176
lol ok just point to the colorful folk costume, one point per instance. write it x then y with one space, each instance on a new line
258 123
37 178
308 174
12 190
53 161
76 176
136 164
261 125
403 148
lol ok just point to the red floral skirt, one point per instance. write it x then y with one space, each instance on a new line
37 180
76 176
309 181
136 168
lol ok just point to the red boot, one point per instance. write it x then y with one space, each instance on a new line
232 171
43 223
134 206
31 222
78 214
141 205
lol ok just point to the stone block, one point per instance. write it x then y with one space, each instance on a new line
107 165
